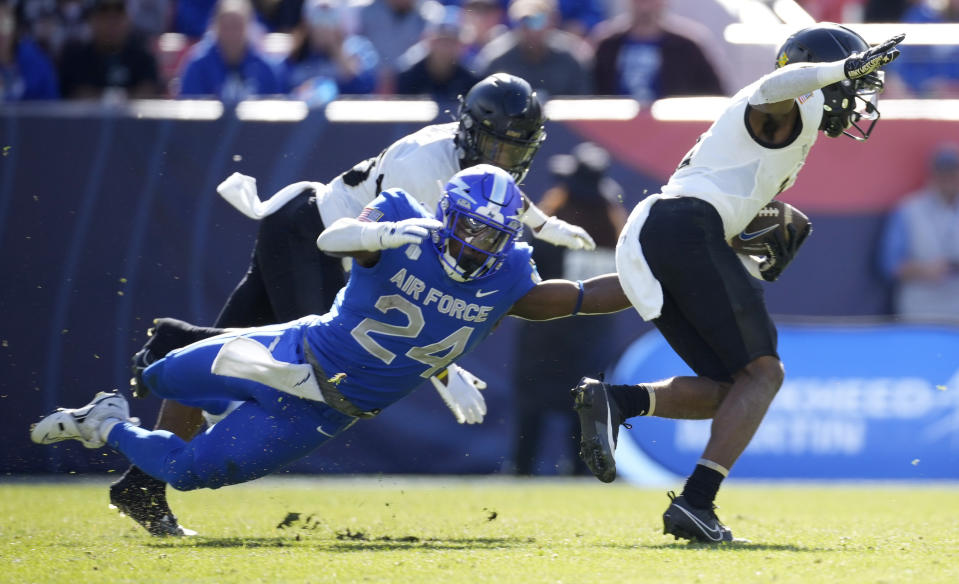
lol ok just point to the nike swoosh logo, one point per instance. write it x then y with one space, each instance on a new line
709 531
747 236
480 293
302 381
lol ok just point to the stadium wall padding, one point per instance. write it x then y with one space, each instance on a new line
108 221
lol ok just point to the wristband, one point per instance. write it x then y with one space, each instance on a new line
534 217
579 299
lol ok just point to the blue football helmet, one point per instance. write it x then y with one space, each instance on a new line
480 210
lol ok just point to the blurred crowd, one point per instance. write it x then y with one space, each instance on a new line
315 50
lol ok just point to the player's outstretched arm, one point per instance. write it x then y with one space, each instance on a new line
559 298
363 240
554 230
779 88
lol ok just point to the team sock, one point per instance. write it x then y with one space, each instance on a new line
632 400
702 486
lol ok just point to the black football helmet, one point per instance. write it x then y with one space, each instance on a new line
849 101
500 123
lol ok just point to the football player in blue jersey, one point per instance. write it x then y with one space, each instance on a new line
500 122
426 288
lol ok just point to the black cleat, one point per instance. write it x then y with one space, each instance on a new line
599 421
700 525
142 498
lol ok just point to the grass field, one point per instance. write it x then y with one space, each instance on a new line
389 529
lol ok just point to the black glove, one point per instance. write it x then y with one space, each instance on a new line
779 253
864 63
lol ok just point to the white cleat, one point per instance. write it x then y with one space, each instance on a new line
82 424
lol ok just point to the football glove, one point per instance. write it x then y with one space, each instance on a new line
559 232
461 393
864 63
779 252
390 234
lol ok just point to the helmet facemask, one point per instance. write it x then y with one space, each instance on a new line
480 211
473 246
850 103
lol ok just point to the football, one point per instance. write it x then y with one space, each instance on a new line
775 215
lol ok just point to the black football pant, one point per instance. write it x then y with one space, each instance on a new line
289 276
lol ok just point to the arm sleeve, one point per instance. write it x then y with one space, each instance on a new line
349 234
795 80
361 233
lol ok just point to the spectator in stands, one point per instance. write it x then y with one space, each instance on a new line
554 355
919 250
639 54
436 66
326 60
393 26
279 15
482 21
554 62
150 18
26 72
53 24
580 16
113 64
931 70
192 17
226 64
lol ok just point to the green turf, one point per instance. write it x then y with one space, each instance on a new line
479 530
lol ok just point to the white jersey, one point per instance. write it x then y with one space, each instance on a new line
732 170
421 164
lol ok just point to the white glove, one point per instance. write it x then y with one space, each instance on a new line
461 394
559 232
390 234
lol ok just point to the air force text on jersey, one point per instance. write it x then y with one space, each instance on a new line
444 303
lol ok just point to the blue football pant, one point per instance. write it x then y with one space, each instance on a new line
269 430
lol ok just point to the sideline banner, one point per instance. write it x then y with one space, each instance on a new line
876 401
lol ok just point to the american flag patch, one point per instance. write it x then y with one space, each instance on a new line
370 214
802 98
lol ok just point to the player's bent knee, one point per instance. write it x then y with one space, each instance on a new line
768 371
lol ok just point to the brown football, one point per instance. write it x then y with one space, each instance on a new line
775 215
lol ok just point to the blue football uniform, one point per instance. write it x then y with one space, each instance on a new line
403 320
393 326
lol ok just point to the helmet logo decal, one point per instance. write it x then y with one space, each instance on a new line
459 187
782 60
